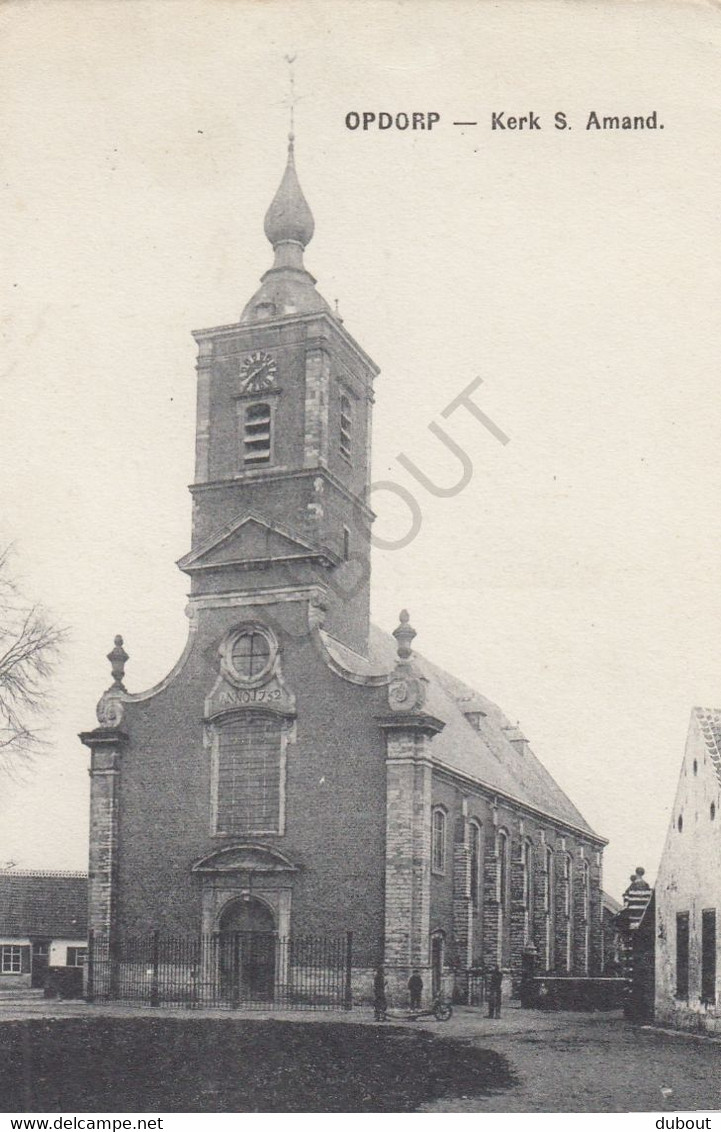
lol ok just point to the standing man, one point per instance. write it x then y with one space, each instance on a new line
495 982
415 986
380 1003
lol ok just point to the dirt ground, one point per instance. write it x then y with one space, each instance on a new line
564 1062
571 1062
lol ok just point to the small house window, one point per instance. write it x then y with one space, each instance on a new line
257 435
346 428
11 960
76 956
438 845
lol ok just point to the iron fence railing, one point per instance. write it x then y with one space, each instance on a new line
239 969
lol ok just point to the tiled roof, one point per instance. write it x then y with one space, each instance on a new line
483 751
52 904
709 720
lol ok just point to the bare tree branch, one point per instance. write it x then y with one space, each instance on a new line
29 649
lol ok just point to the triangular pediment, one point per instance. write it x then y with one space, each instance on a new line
248 542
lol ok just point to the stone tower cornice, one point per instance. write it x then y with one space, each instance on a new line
328 328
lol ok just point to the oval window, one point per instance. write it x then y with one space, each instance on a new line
251 654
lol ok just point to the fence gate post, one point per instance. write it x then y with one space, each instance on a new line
235 988
348 1003
154 959
90 975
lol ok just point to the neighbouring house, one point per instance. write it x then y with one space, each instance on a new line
635 935
636 899
43 925
300 773
642 988
688 887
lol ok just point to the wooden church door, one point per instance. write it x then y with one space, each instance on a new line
247 951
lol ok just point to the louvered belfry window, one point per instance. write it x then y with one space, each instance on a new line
346 428
257 435
249 776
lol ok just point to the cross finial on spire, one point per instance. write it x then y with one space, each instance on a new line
290 60
289 221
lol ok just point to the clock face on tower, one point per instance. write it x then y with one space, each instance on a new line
257 372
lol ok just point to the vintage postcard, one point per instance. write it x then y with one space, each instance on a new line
360 679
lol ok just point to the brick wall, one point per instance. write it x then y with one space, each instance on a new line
522 922
335 815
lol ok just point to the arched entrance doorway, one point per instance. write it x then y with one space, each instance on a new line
247 941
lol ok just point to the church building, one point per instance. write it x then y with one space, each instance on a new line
300 773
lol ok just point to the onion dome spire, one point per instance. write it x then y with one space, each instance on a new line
289 218
288 288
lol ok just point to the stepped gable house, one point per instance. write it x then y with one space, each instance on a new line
300 771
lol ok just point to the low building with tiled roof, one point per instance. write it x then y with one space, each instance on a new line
688 887
43 923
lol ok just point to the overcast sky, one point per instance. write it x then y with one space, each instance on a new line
575 579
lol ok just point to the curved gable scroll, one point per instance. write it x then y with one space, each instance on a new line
244 858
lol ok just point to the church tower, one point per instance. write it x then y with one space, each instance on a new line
283 441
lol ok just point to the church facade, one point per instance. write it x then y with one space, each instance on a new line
300 772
